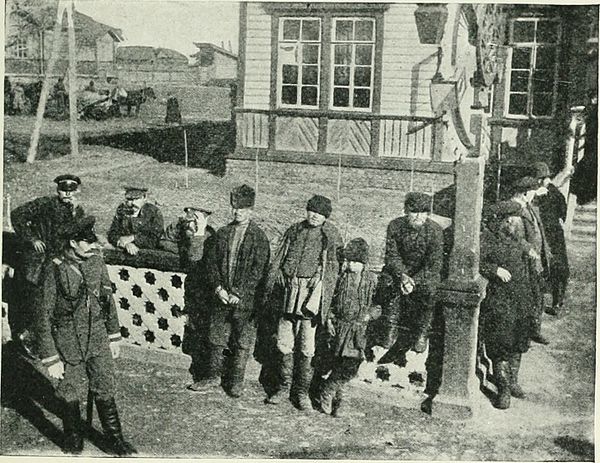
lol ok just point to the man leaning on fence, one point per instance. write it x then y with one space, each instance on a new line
36 225
137 224
236 265
78 333
413 262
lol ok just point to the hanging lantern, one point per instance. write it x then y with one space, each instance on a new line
431 21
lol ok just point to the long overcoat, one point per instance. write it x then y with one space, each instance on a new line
553 209
250 270
508 308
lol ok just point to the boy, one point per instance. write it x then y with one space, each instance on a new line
351 310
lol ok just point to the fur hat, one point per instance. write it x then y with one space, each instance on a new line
135 192
417 202
540 170
242 197
357 250
320 205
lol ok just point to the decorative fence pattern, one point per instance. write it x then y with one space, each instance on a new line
150 305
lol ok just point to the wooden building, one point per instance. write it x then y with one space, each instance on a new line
137 65
214 64
412 86
28 45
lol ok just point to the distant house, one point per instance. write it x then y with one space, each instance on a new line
214 64
138 64
28 49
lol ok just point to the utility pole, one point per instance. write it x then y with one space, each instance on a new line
63 6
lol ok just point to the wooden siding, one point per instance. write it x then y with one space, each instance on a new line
257 79
297 134
405 139
349 137
253 130
408 66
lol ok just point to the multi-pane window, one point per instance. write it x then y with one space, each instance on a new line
299 61
19 48
352 51
532 75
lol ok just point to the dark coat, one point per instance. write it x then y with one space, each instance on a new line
147 227
530 216
41 219
508 308
78 313
251 269
350 338
553 209
332 244
189 248
419 256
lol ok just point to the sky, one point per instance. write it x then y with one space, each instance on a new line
168 23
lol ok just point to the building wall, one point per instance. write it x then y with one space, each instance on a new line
408 65
225 67
257 78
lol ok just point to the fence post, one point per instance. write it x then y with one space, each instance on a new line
570 160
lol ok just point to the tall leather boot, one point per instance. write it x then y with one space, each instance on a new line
285 368
304 374
111 424
72 425
238 371
515 389
502 375
214 371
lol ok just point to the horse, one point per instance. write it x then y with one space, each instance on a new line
135 98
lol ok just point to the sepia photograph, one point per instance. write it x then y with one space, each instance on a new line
299 230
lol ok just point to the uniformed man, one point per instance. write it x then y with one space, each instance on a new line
137 224
413 260
36 225
78 333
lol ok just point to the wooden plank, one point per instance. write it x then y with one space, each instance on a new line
241 63
297 133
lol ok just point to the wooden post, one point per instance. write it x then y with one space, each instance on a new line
339 176
256 172
187 181
576 120
72 81
37 128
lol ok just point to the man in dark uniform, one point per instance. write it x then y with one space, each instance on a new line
77 333
36 225
524 191
413 262
236 268
137 224
553 213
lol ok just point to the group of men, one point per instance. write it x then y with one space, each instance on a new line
302 312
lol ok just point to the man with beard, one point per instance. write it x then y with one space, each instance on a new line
236 265
413 262
77 333
137 224
36 225
301 284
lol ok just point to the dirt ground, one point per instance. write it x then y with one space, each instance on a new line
554 423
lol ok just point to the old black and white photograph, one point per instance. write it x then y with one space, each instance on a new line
299 230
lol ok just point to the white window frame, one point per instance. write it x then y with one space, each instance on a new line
353 43
20 48
299 45
509 68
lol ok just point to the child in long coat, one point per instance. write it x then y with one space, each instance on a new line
351 310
